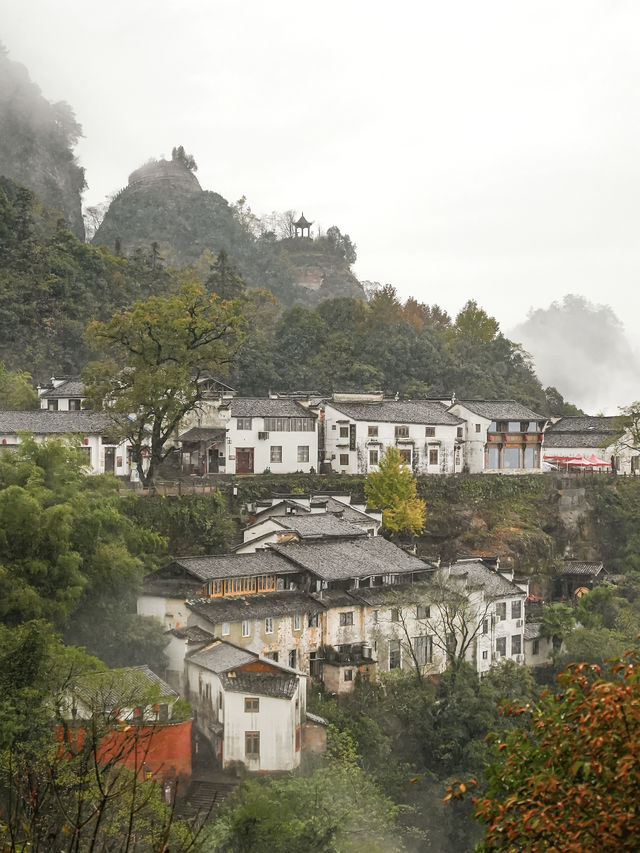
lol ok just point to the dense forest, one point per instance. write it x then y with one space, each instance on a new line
53 285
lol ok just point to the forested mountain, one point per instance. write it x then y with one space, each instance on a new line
53 285
36 143
164 206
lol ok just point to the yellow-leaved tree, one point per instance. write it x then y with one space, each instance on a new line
392 488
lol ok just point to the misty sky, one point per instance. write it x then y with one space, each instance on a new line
471 150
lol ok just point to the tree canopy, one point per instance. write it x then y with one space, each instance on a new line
570 782
156 355
392 488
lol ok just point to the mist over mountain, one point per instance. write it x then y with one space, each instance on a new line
164 206
584 349
37 141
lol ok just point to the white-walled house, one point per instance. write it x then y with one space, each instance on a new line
496 605
538 650
296 528
586 435
266 434
102 455
338 505
500 436
250 709
358 431
63 394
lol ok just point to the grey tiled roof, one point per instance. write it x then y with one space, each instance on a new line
266 407
262 683
319 525
349 513
479 575
351 558
221 657
532 630
43 422
584 431
237 608
70 388
203 434
575 567
230 565
192 634
500 410
585 423
428 412
577 440
121 687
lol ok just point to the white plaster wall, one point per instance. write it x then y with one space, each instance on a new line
289 441
545 648
475 442
443 441
171 612
276 721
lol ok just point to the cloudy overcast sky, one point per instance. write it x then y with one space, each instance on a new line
471 150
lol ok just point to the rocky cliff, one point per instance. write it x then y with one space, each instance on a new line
36 143
164 204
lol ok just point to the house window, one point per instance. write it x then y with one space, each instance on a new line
395 654
303 453
511 457
405 456
485 626
252 744
529 457
423 611
344 458
485 655
430 432
516 610
535 647
313 620
348 675
493 460
501 610
373 457
52 405
297 622
243 423
501 646
433 456
395 614
372 430
226 629
251 705
402 432
478 427
514 426
268 625
276 453
346 618
423 649
344 432
459 432
516 644
292 658
272 656
75 405
246 627
375 617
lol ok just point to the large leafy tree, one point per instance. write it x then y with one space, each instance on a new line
155 355
571 781
392 488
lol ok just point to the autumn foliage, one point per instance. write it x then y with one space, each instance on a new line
570 780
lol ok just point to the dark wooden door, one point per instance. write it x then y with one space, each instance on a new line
244 460
109 460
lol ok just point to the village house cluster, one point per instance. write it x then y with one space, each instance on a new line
343 433
313 593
